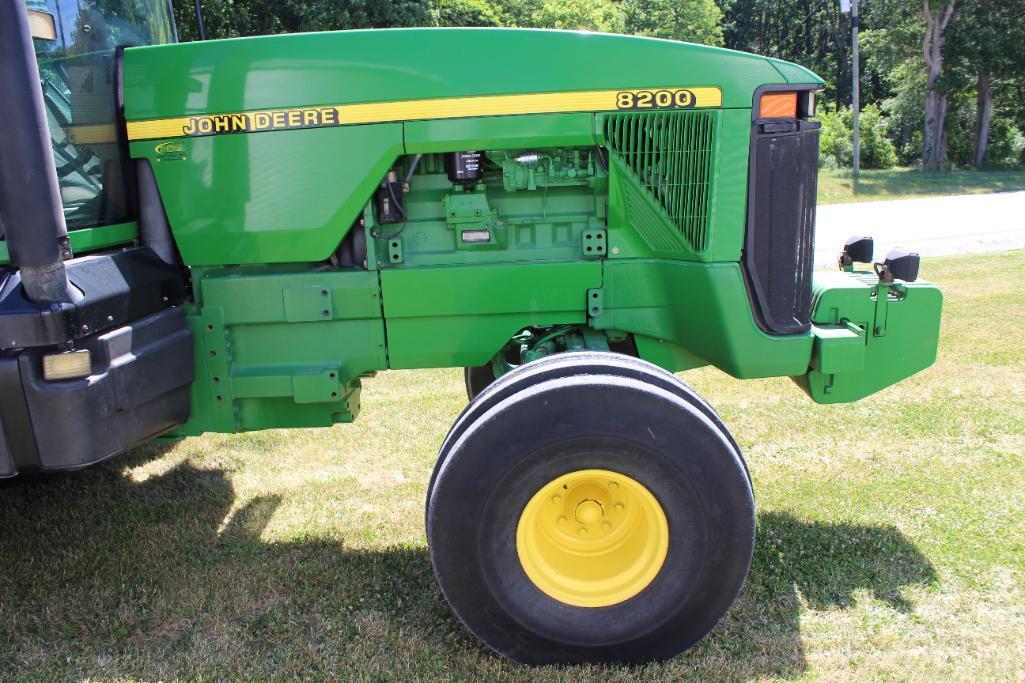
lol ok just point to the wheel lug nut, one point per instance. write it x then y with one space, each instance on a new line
562 519
606 526
613 486
556 499
581 531
619 507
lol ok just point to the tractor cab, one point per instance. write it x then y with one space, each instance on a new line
95 355
77 45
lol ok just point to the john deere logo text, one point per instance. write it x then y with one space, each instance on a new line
255 122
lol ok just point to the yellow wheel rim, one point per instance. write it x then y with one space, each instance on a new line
592 538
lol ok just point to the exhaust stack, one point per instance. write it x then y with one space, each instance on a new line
29 195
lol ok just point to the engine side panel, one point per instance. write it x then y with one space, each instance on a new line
286 196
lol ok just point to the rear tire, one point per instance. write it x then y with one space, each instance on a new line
587 430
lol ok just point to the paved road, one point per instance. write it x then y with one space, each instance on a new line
932 226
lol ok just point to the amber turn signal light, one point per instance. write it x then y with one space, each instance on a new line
778 105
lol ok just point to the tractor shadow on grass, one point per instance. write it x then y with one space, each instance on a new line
797 563
167 577
111 573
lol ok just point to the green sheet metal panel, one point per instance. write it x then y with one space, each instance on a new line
281 348
462 315
86 240
703 308
287 196
530 131
898 339
794 73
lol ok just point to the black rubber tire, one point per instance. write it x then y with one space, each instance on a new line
579 422
477 379
565 365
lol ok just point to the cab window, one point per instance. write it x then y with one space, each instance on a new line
77 77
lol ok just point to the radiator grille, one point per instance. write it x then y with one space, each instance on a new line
671 156
780 245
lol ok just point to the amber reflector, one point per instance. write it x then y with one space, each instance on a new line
778 105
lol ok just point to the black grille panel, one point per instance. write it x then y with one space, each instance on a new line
779 247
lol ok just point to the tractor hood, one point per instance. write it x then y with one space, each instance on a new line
351 67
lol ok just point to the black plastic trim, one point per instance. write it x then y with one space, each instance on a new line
116 288
7 468
154 228
17 441
138 389
763 278
128 180
803 91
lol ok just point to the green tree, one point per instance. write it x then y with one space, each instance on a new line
836 148
232 18
695 21
465 13
331 15
987 48
835 145
572 15
892 58
938 14
812 33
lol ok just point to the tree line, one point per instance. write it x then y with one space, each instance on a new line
942 81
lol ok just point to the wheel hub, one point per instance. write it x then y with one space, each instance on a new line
592 538
589 512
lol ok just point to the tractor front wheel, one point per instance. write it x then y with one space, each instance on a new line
565 365
591 518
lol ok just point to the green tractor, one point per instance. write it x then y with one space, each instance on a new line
232 235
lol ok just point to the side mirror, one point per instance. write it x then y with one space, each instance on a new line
899 265
42 25
857 249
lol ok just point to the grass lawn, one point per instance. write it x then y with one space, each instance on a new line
891 540
836 186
